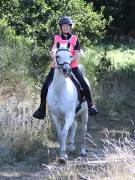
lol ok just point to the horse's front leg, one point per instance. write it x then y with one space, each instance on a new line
57 124
69 118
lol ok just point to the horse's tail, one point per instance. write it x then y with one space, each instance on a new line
82 69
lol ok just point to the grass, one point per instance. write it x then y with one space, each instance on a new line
25 142
122 55
116 163
112 88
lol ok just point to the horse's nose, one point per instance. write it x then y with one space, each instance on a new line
69 73
67 70
64 70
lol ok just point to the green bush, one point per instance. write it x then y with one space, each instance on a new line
15 54
38 19
103 68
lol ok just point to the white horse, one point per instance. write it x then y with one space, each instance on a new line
62 100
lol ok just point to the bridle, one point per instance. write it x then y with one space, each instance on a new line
60 65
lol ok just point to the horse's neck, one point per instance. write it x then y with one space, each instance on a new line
59 82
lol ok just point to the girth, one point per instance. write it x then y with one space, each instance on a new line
81 95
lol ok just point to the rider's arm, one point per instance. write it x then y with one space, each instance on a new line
77 51
53 49
52 54
76 55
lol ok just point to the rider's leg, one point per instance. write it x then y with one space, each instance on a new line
40 113
92 109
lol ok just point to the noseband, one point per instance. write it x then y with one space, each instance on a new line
60 66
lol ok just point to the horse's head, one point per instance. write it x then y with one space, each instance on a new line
63 59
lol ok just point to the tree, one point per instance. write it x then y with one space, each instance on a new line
122 12
38 19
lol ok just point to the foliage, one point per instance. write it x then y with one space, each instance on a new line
112 75
14 54
122 12
38 19
103 68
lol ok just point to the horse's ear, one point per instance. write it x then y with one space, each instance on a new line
68 45
58 45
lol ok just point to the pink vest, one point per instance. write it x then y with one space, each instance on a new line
63 43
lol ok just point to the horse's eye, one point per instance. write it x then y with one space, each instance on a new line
57 57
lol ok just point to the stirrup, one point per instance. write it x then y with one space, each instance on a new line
92 110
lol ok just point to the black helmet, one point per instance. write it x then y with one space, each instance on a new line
65 20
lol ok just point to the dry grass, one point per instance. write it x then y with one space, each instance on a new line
18 129
118 163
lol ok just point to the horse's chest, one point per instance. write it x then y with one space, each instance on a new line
56 102
62 99
59 104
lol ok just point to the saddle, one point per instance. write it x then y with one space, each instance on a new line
81 93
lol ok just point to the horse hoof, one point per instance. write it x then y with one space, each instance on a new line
84 155
62 161
43 166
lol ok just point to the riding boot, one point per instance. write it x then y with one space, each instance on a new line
91 108
40 113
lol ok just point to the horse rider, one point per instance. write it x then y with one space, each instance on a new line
66 36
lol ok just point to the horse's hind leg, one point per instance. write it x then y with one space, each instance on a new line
72 132
84 117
